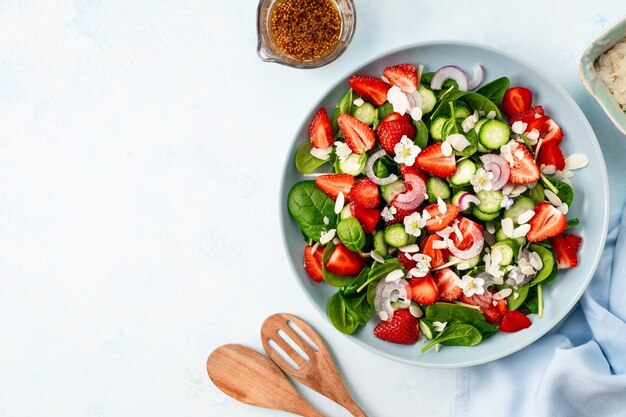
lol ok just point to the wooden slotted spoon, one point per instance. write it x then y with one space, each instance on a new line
247 376
317 370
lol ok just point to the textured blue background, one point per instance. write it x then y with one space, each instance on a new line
141 147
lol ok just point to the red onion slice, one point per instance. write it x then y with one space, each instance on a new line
499 167
369 169
388 292
485 299
415 196
466 199
449 72
477 77
474 250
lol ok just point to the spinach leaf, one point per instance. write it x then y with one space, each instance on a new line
305 162
572 223
495 90
427 78
512 302
485 329
371 292
566 192
358 308
456 334
381 270
350 290
351 234
346 105
380 169
421 138
330 278
550 278
384 110
531 305
549 263
537 194
309 205
334 123
340 316
474 100
445 312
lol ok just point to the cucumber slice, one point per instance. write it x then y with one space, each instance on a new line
366 113
428 99
385 110
489 201
426 328
494 133
537 194
380 246
456 197
465 170
480 215
509 250
436 128
437 187
521 205
354 164
396 236
389 191
501 236
479 124
345 212
461 112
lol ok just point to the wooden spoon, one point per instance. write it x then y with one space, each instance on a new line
317 370
247 376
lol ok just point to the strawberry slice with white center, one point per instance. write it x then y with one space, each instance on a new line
320 130
547 222
566 247
359 136
371 89
467 227
438 220
447 283
524 169
403 76
552 132
550 154
433 160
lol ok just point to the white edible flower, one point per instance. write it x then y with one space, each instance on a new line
416 113
358 102
388 213
482 180
439 326
471 285
422 265
342 150
406 151
413 224
398 99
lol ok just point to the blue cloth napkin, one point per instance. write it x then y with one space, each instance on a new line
579 368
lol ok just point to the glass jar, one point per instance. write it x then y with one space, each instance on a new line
269 51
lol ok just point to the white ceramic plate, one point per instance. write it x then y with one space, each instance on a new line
591 202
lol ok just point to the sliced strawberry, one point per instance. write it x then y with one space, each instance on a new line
501 306
547 222
553 132
371 89
367 217
468 300
365 194
550 154
438 257
528 115
466 226
403 76
438 220
514 321
538 123
390 133
516 100
320 130
424 290
413 170
447 283
491 313
432 160
394 117
333 184
566 248
344 262
401 329
407 263
313 262
359 136
524 170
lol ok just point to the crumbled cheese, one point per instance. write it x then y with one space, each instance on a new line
611 67
342 150
322 153
491 115
358 102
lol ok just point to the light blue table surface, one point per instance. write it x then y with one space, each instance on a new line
141 149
